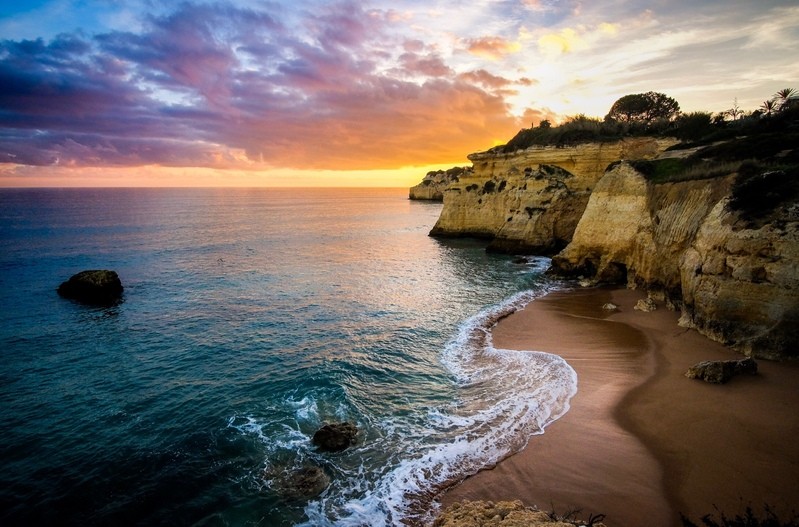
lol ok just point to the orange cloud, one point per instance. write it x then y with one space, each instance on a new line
492 48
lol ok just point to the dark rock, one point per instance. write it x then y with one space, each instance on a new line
721 371
100 287
305 483
335 437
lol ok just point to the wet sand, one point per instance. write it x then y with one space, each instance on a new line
642 443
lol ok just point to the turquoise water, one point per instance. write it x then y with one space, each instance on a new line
250 318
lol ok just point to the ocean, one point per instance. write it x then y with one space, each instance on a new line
250 318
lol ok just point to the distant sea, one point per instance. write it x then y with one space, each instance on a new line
249 319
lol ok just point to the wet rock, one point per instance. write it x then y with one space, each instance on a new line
96 287
336 436
305 483
721 371
610 306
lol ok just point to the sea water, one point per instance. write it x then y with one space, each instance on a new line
250 318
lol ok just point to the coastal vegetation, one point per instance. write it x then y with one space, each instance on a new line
657 114
760 147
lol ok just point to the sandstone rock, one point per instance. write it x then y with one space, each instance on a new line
734 282
501 514
435 182
610 306
739 284
646 305
530 201
335 437
97 287
719 372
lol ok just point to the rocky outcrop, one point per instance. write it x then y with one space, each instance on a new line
95 287
335 437
736 285
740 286
531 201
635 232
721 371
501 514
304 483
432 186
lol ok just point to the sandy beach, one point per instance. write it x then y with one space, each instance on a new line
641 442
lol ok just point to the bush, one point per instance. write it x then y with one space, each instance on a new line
693 126
756 192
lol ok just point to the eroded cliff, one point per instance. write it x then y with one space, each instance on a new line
432 186
716 238
734 282
531 200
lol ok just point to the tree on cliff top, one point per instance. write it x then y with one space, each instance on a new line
643 108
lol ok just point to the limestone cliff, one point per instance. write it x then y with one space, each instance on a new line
680 241
433 185
713 230
531 200
740 286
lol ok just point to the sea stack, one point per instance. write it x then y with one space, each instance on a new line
95 287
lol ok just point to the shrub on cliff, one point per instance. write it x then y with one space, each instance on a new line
693 126
758 192
578 129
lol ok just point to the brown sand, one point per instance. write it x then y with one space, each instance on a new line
642 443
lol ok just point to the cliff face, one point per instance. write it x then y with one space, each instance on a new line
432 186
739 286
531 200
692 243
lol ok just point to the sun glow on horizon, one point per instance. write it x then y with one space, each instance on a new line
155 176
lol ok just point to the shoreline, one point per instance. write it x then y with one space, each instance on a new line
642 443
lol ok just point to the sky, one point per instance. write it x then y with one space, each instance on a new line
343 93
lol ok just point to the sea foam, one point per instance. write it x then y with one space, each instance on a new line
504 398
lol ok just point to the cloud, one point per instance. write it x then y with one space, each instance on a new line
492 48
226 87
564 41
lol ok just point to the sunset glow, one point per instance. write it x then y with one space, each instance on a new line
250 93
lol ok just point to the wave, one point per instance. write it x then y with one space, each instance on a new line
504 397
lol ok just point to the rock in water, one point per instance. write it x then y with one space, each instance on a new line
97 287
305 483
721 371
335 437
610 306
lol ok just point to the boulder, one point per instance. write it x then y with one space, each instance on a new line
335 437
96 287
305 483
646 305
721 371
